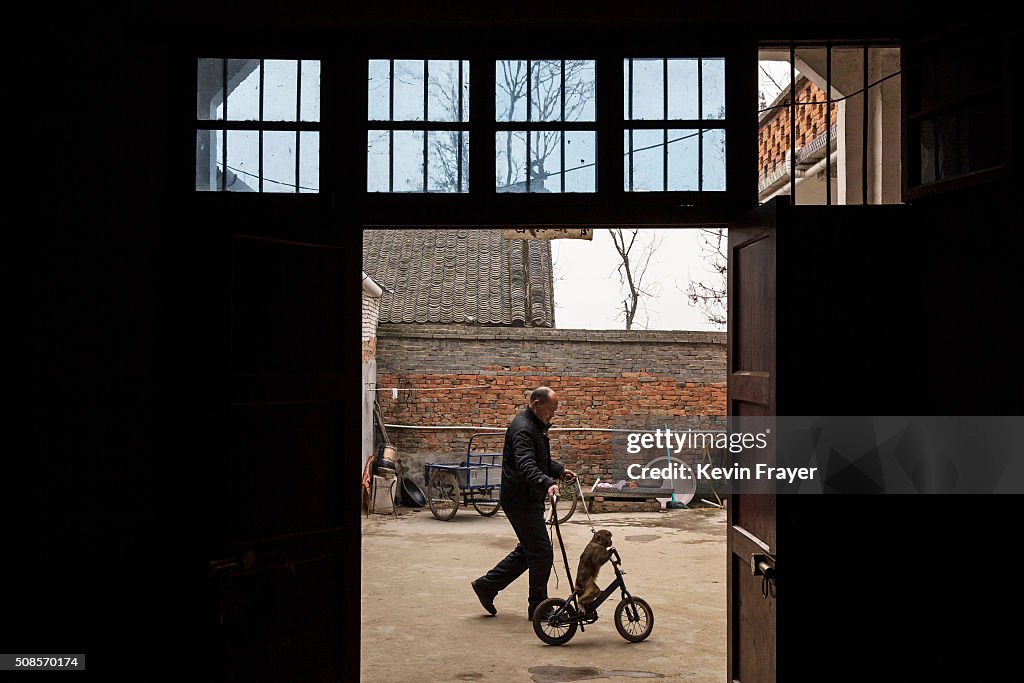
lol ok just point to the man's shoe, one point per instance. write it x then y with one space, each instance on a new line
486 599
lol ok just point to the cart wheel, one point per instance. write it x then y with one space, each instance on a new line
487 508
567 496
634 630
443 494
554 632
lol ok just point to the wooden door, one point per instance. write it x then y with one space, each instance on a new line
751 392
282 520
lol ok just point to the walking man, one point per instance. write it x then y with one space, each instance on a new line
528 477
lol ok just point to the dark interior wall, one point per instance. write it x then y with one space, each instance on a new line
128 282
898 311
87 541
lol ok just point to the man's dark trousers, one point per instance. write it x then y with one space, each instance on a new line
533 552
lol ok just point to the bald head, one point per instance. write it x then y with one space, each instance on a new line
544 403
541 394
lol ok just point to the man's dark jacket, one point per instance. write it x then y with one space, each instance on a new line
527 470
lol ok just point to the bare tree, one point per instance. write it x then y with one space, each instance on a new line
634 259
709 294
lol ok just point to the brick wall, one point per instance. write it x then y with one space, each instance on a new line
605 379
773 129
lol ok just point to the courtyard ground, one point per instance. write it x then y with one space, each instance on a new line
421 620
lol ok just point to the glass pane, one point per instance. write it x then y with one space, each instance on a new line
683 89
627 162
712 88
378 161
408 90
648 89
773 76
210 90
927 151
309 105
280 78
510 161
627 88
379 94
684 158
947 128
978 149
546 161
580 88
580 161
408 161
465 90
443 91
847 119
939 80
647 161
714 160
208 151
773 90
811 128
243 160
510 90
243 89
309 160
443 161
279 161
885 176
546 93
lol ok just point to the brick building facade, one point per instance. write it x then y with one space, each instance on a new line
773 143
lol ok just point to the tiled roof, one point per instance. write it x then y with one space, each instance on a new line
460 276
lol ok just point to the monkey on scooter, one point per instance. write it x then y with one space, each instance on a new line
597 552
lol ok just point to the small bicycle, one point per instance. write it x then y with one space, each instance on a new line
556 620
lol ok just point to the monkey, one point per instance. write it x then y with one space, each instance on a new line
597 552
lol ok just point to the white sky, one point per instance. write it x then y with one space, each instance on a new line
772 77
587 291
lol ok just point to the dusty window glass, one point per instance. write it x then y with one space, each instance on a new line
548 142
417 125
235 150
666 104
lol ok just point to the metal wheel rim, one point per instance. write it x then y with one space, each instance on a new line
637 626
556 630
444 490
486 509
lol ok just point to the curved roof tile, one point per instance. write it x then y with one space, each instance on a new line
460 276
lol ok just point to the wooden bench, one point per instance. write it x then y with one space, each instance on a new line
626 500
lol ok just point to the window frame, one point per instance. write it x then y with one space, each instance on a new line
915 57
426 126
260 126
530 125
610 204
343 198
